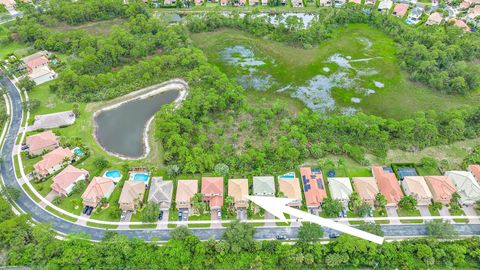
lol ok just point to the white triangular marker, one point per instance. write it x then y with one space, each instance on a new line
278 206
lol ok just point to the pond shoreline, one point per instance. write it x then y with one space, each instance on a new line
179 85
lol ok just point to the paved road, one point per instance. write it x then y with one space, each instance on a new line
41 215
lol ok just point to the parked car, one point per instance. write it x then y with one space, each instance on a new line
333 235
89 211
179 216
281 237
160 216
219 214
24 147
85 209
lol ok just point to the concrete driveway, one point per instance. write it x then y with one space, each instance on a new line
50 196
82 222
392 212
444 213
241 214
470 211
126 218
424 212
215 219
269 216
163 224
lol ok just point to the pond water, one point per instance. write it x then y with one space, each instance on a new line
121 129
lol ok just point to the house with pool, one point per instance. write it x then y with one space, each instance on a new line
139 175
53 162
64 182
41 143
132 195
99 188
290 187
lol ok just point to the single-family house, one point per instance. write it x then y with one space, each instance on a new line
8 3
324 3
416 13
385 5
468 3
97 189
434 19
370 2
161 192
366 188
42 75
400 9
473 14
475 170
263 186
387 184
466 185
242 2
36 63
186 189
52 161
290 187
340 189
33 57
42 142
198 2
355 1
339 3
460 24
441 187
313 186
253 2
64 182
132 195
238 190
223 2
212 190
264 2
417 187
297 3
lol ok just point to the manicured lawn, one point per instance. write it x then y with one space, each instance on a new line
433 212
29 162
199 217
296 66
352 214
43 187
458 212
380 213
49 209
409 213
30 193
103 226
72 203
427 171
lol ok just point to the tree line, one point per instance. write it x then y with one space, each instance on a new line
37 247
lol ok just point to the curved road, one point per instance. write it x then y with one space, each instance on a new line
65 227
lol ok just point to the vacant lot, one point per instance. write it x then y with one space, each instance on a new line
93 28
346 69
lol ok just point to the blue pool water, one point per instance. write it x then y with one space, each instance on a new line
113 174
288 175
77 151
140 177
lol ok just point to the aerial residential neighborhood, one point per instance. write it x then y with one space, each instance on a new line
240 134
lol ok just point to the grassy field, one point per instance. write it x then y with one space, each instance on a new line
93 28
199 217
295 66
409 213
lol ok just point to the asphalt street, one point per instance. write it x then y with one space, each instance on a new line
41 215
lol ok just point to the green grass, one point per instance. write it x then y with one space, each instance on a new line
102 226
53 211
43 187
380 213
458 212
290 65
29 192
409 213
423 171
352 214
29 162
199 217
93 28
72 203
433 212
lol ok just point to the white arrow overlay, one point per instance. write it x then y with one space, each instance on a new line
278 206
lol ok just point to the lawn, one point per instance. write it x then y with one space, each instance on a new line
30 193
458 212
29 162
409 213
433 212
43 187
293 66
102 226
380 213
55 212
72 203
199 217
352 214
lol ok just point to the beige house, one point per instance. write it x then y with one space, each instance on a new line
186 189
53 161
290 187
434 19
132 195
64 182
238 190
366 188
417 187
99 188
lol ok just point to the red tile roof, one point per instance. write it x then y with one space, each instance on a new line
475 170
388 185
316 194
400 10
212 190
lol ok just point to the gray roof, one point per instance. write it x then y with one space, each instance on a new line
161 192
263 185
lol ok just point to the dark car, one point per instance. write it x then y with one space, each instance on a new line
179 216
281 237
89 211
333 235
24 147
160 216
85 210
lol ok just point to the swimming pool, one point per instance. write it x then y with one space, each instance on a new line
115 175
77 151
142 177
288 175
